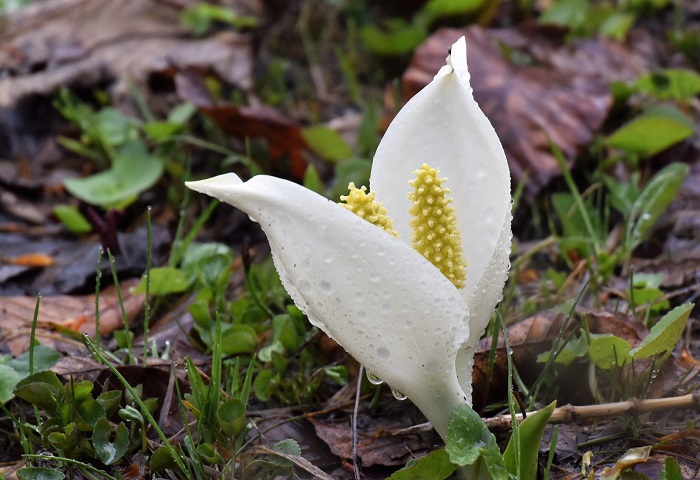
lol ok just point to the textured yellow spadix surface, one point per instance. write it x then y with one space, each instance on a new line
436 234
364 205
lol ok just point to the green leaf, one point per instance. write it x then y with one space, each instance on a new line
446 8
653 201
162 460
566 13
110 452
671 470
313 181
468 438
133 171
531 431
658 128
40 473
398 38
44 358
91 411
207 452
609 351
665 334
42 389
434 466
110 401
8 380
72 219
231 417
239 338
164 281
182 113
114 127
326 142
288 446
670 84
264 385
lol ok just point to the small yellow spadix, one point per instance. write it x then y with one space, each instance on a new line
364 205
436 233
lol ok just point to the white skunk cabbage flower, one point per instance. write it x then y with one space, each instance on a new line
392 309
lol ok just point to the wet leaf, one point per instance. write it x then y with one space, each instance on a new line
164 281
326 142
110 452
671 470
434 466
632 457
531 431
671 83
8 380
40 473
609 351
664 336
468 438
656 129
133 171
72 219
238 338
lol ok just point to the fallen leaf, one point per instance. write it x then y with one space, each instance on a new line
529 106
32 260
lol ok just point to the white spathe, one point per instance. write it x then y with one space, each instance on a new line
373 293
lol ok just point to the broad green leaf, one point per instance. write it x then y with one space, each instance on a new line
566 13
238 338
531 431
434 466
114 127
207 452
671 83
164 280
665 334
671 470
313 181
44 358
655 130
231 416
72 219
264 385
445 8
40 473
162 460
653 201
110 401
42 389
574 348
288 446
133 171
468 438
398 37
182 113
326 142
8 380
609 351
91 411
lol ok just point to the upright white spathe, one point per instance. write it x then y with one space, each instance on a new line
373 293
443 126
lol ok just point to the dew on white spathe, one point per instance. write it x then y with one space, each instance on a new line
373 379
374 277
305 287
384 353
398 395
326 287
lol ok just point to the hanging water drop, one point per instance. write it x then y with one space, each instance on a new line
398 395
373 379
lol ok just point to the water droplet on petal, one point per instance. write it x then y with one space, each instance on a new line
398 395
383 352
328 257
374 277
373 379
304 287
326 287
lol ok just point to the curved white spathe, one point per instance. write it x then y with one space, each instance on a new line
443 126
377 297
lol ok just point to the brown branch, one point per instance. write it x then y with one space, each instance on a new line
574 413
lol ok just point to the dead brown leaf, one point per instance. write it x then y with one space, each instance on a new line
92 42
529 106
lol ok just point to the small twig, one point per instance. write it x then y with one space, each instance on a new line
573 413
355 457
